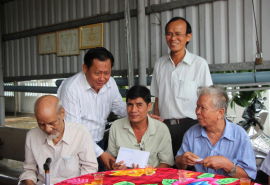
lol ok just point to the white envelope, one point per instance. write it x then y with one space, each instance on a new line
133 156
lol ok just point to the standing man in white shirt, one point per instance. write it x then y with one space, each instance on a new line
89 96
175 80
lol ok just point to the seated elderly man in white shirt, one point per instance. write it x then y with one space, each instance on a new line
69 145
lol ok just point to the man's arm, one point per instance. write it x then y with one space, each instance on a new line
87 157
29 182
163 165
156 111
185 160
165 152
118 105
106 158
30 167
221 162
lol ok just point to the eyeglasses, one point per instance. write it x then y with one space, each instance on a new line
141 146
177 35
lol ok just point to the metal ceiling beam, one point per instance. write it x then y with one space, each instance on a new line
149 71
105 17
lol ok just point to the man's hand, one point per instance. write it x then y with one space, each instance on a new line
118 166
156 117
217 162
135 166
105 159
27 182
186 159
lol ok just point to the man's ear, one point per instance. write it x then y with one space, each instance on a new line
189 36
221 113
63 112
84 68
149 106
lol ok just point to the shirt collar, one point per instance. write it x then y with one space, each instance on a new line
151 125
65 138
66 135
187 58
87 86
227 133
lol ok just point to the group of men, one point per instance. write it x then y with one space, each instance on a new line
72 133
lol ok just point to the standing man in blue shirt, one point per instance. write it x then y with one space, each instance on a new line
216 145
89 96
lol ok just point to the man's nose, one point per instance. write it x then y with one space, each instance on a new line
197 110
102 77
48 128
133 109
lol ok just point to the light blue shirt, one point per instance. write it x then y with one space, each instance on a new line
234 144
266 165
84 105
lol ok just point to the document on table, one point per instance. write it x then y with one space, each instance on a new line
133 156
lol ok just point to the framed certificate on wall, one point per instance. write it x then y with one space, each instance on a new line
47 43
68 42
91 36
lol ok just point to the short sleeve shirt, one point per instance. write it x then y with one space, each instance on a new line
176 87
234 144
266 165
156 140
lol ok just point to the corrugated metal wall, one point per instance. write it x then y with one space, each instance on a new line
223 32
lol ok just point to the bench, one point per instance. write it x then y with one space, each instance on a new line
11 147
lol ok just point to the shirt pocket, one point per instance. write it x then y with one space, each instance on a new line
185 90
69 166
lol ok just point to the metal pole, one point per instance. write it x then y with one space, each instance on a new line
141 42
15 100
2 98
128 45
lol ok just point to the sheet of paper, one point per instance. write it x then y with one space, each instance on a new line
133 156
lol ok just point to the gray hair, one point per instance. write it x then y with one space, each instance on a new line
220 97
59 106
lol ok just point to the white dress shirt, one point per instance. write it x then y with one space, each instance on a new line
176 87
84 105
72 156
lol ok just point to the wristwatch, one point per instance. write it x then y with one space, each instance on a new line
233 171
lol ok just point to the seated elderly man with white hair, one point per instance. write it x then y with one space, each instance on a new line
69 145
216 145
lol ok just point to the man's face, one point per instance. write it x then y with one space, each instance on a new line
207 115
98 74
176 35
52 123
137 110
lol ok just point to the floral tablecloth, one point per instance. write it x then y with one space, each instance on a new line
162 176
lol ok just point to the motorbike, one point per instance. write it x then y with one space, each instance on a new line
255 115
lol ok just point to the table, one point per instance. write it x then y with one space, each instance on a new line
162 176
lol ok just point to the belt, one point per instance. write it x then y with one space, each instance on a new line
177 121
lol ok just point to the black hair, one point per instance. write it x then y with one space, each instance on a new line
188 31
139 91
100 53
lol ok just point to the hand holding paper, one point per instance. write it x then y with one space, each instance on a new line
130 156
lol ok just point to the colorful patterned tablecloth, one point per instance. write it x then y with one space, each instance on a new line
162 176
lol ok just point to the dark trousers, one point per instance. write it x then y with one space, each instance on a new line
177 132
101 166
